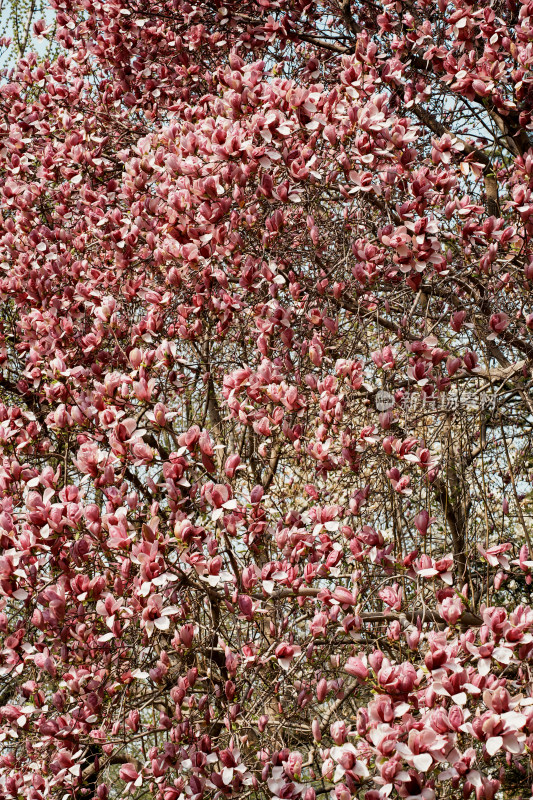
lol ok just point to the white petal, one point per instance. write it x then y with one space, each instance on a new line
512 744
169 610
227 775
494 744
483 666
502 654
460 699
422 762
139 674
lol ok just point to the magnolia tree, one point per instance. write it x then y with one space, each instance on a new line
266 416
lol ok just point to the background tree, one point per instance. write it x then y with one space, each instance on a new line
18 33
266 402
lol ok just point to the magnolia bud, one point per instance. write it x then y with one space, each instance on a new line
321 690
338 732
355 666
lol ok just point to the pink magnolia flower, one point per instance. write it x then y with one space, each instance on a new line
338 732
400 484
397 679
256 495
342 792
129 774
321 690
285 653
495 555
451 609
458 317
328 768
422 521
232 462
356 667
319 624
384 358
499 322
293 765
392 596
88 459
